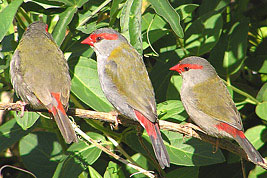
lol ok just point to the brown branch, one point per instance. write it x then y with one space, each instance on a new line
187 130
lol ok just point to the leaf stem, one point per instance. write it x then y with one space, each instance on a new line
251 100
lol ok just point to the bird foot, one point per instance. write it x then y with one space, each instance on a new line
116 124
22 108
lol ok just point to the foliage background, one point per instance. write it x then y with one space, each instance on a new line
232 35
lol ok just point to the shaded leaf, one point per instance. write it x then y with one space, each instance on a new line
40 153
261 110
85 84
28 119
231 49
186 10
93 172
257 135
6 17
113 171
262 94
88 153
187 172
164 9
170 109
61 26
10 133
141 160
203 34
69 167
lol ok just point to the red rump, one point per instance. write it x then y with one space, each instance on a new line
147 124
59 104
46 27
231 130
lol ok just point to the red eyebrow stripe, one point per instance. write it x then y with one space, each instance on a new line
190 66
106 36
180 67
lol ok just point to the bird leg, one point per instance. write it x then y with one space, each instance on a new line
116 124
22 108
216 146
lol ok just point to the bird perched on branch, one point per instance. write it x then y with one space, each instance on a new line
126 84
209 104
40 76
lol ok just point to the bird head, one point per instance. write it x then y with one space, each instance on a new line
104 40
195 69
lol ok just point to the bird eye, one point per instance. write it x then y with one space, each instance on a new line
186 68
99 38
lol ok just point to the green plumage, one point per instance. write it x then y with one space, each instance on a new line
137 93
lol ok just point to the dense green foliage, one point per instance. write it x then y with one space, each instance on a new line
232 35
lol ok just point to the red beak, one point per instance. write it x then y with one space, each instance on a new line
88 41
176 68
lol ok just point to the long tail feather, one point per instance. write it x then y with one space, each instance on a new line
252 153
157 142
62 120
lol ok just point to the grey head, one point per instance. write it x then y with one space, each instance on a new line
104 41
37 29
195 69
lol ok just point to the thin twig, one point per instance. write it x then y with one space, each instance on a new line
87 138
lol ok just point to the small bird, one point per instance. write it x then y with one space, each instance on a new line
209 104
40 76
126 84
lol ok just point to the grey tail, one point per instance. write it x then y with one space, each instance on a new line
64 126
251 152
159 148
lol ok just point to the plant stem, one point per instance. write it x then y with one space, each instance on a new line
252 100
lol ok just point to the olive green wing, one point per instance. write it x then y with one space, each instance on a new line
126 68
213 99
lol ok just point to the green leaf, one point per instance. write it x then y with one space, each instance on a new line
186 172
69 167
7 15
203 34
214 5
261 110
88 153
10 133
174 87
28 119
160 74
67 2
231 49
141 160
257 135
257 172
182 151
191 151
170 109
40 153
47 4
164 9
114 11
65 18
262 94
93 172
113 171
130 23
85 84
186 10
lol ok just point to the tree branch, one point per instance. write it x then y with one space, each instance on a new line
187 130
